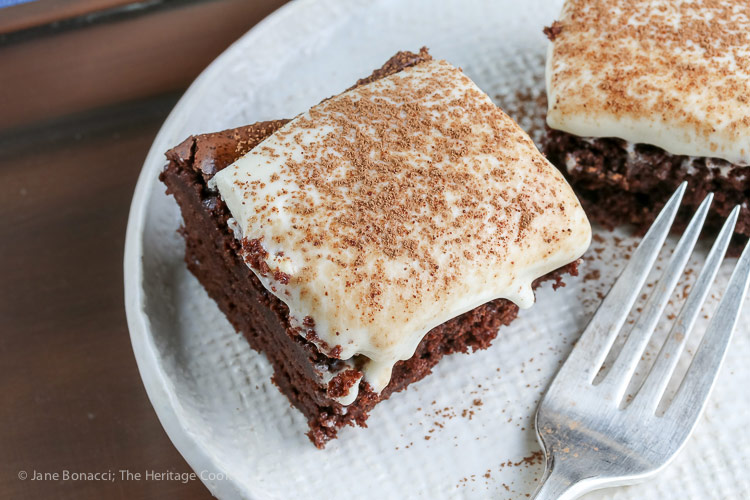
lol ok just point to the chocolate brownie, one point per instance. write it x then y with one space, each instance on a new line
216 257
622 183
644 95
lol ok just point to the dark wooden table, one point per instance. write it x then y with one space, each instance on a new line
83 92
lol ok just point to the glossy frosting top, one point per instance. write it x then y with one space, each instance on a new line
395 206
671 73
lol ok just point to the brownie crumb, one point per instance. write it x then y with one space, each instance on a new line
553 30
340 384
594 274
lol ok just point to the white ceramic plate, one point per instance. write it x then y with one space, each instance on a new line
466 430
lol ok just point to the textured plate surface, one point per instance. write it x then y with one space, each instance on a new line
465 431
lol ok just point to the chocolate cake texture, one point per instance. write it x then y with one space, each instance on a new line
620 183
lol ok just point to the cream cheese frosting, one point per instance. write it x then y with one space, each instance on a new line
670 73
394 207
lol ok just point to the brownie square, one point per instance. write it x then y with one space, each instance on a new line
215 256
643 96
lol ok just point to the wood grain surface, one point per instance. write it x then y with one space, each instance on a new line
117 60
38 13
71 397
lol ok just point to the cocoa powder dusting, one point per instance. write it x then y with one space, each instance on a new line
684 64
396 190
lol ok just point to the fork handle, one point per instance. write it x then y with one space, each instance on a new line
556 484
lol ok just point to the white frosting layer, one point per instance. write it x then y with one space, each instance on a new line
397 206
671 73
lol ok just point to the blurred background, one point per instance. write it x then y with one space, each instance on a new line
84 88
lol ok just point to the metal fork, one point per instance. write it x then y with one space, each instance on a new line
590 440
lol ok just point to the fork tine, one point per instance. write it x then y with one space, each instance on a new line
701 375
618 378
648 396
595 342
